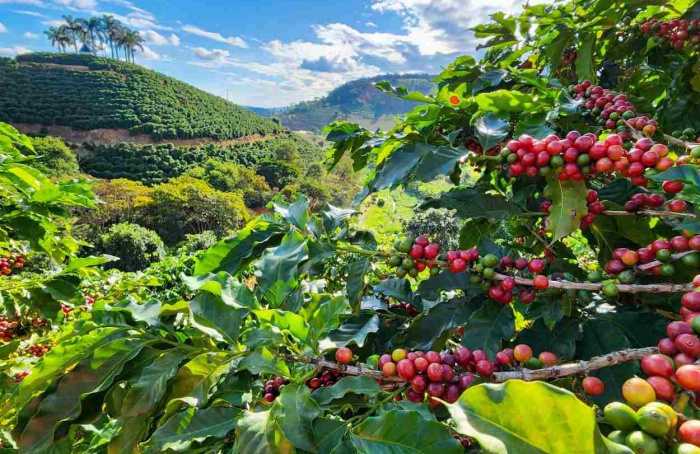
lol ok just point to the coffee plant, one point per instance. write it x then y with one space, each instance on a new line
564 321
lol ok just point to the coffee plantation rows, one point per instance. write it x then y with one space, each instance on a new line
153 164
117 95
566 320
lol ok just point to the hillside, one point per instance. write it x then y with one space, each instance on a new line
357 100
87 93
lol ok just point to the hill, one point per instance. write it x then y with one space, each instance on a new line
357 100
85 93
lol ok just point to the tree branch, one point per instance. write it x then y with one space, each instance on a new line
666 213
655 263
581 367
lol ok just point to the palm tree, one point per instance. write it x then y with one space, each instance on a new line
111 28
59 37
75 28
131 40
93 27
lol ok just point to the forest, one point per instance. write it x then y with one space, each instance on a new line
541 295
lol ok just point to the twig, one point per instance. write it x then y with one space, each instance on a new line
655 263
596 287
574 368
648 213
580 367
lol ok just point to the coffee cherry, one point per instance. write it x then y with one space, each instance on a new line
638 392
535 266
485 368
343 355
593 386
548 358
541 282
689 432
663 388
674 329
406 369
522 353
389 369
672 187
435 372
657 365
677 206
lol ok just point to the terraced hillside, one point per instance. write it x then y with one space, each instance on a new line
86 93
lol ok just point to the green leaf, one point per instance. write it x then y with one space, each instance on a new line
262 361
511 417
329 433
440 161
398 432
288 322
233 253
233 292
196 378
294 213
353 330
689 174
355 385
584 60
193 426
472 203
212 316
281 265
325 314
488 327
395 287
560 340
295 410
356 285
490 130
76 264
89 378
430 330
534 125
334 217
398 166
504 101
257 433
150 386
568 206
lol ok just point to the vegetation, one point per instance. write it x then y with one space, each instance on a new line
55 159
566 317
117 95
96 33
356 99
136 247
154 164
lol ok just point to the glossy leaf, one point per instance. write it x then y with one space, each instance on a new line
511 417
193 426
397 432
488 327
430 330
568 206
257 433
471 203
356 284
355 385
295 411
490 130
353 330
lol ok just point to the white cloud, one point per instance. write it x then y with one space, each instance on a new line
231 40
12 51
53 23
441 27
211 55
371 24
30 13
149 54
3 29
156 39
30 35
23 2
77 4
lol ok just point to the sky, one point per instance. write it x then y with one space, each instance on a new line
271 53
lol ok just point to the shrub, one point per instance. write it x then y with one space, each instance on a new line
279 174
121 201
197 242
56 159
136 246
188 205
440 225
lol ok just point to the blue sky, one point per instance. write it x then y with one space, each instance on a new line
271 52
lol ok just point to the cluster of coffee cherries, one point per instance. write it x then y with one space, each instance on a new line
36 350
568 57
9 328
401 306
19 376
14 327
652 426
483 269
686 134
273 387
12 261
595 207
624 260
676 33
434 374
411 256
